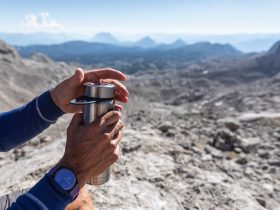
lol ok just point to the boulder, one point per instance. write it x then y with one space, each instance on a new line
249 144
224 140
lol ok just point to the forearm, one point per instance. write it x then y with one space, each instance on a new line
44 196
22 124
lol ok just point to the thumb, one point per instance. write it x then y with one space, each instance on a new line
77 79
77 120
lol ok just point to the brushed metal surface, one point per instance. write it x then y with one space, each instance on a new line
92 111
99 90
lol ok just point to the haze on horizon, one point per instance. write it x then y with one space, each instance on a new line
128 17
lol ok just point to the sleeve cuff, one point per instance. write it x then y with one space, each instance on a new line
47 109
43 194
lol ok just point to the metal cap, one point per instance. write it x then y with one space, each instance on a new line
99 90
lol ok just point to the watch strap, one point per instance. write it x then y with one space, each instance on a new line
74 192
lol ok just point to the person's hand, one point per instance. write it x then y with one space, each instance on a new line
72 87
91 149
82 202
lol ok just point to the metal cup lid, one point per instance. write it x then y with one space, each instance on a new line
99 90
95 93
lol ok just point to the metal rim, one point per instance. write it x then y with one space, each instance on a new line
84 100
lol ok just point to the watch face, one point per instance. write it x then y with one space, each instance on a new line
65 178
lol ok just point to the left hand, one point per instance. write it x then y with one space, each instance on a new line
72 87
82 202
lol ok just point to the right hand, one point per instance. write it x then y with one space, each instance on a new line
91 149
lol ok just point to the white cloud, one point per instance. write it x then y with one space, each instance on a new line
41 21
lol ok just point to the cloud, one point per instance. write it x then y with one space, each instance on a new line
40 21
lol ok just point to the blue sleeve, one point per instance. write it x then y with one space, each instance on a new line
24 123
17 127
43 196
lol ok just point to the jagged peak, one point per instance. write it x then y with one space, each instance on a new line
275 48
7 51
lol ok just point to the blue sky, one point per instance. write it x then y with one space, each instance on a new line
141 17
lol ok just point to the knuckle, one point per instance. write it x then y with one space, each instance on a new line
96 123
109 115
112 146
120 135
107 136
121 124
117 114
115 157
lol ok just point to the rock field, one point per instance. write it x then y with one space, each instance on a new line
193 139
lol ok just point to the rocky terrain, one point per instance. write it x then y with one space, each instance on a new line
204 137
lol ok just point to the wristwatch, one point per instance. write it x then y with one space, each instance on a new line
66 180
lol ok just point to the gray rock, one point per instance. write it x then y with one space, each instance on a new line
225 140
274 163
165 127
231 124
214 152
249 144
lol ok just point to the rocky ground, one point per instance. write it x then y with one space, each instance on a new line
195 139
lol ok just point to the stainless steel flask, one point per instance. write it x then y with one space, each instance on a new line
98 99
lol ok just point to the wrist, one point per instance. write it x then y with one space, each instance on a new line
80 176
64 181
55 98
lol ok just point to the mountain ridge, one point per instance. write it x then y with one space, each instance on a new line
89 53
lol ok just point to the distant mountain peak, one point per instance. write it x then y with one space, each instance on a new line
146 42
147 38
105 37
178 43
275 48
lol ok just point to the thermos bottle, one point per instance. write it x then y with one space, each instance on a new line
98 99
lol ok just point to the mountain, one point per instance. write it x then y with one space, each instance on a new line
177 44
8 53
270 62
134 58
146 42
131 59
22 78
205 130
106 38
210 49
174 45
243 42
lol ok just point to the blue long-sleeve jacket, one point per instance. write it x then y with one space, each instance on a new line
17 127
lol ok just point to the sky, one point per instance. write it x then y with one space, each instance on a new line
141 16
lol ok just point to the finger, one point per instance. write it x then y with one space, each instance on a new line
110 118
117 138
77 120
106 73
115 128
118 107
76 79
120 98
108 158
120 88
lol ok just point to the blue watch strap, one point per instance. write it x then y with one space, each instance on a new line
73 192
